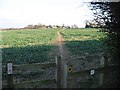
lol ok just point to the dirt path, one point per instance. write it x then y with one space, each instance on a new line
60 44
79 62
62 49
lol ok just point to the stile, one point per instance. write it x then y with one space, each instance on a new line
61 73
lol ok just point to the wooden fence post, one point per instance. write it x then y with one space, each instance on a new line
9 75
64 75
58 71
61 73
101 75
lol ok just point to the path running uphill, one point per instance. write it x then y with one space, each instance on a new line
62 49
60 42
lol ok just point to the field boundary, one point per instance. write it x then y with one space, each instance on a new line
64 73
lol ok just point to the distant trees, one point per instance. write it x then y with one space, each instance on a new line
88 24
93 24
74 26
39 26
30 26
42 26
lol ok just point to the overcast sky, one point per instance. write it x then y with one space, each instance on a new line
19 13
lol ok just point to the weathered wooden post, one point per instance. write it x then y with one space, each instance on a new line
64 75
9 75
58 71
101 75
61 73
69 69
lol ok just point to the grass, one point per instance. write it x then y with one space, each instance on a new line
27 46
82 41
20 38
82 34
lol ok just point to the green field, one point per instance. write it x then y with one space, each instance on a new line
81 41
27 46
33 46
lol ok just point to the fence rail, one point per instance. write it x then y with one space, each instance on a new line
29 67
32 83
97 70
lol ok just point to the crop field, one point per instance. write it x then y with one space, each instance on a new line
81 41
27 46
33 46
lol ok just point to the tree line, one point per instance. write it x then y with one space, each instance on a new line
43 26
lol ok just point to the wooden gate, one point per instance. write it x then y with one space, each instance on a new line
62 76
